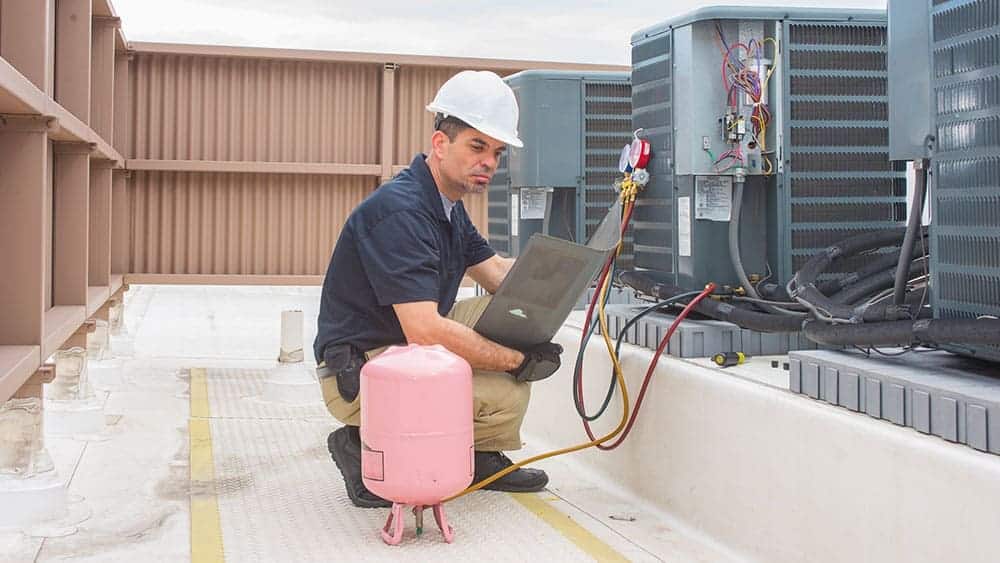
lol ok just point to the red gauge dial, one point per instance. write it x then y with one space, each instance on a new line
639 154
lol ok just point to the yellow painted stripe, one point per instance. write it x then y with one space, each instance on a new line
206 524
199 393
565 525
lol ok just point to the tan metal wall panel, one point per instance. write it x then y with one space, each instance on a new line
247 224
229 109
415 88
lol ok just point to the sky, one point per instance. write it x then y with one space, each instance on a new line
548 30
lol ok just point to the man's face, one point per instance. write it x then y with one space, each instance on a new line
468 162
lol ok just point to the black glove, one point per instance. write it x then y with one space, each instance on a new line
539 362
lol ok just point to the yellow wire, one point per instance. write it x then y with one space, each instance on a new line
628 193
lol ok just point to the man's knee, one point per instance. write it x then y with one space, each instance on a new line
346 412
499 393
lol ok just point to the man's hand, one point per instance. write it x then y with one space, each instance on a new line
539 362
422 324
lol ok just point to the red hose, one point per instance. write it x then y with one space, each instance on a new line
652 367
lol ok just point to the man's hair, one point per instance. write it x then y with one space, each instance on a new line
450 125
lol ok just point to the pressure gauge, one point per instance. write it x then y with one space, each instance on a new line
639 153
623 165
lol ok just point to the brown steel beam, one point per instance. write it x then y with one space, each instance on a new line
352 57
121 224
72 80
387 138
71 216
26 40
34 386
17 364
102 76
24 161
17 94
119 138
79 337
252 167
61 322
99 270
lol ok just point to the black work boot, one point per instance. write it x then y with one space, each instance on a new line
522 480
344 444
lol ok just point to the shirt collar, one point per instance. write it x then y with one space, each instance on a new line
434 198
448 205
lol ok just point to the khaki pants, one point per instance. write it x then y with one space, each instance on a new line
499 401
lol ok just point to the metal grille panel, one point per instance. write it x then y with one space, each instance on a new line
600 108
607 128
498 208
965 238
838 176
652 108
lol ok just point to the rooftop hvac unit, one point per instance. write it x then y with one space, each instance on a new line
799 117
574 125
965 194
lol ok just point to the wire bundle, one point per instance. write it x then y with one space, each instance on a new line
752 81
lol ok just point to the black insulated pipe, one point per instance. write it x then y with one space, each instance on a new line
887 261
912 228
802 286
878 282
926 332
654 285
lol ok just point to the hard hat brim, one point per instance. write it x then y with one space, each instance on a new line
506 138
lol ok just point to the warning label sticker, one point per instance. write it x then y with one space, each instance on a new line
533 203
713 198
684 226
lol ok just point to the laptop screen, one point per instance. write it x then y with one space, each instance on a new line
544 284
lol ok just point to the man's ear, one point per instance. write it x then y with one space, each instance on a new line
439 144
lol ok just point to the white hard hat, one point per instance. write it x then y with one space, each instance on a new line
483 100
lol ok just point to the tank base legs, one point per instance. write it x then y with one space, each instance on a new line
392 532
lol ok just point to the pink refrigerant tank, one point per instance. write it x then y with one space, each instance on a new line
416 431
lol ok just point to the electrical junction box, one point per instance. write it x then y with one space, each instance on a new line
561 183
911 117
965 192
816 170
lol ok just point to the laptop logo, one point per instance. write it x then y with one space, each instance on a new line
518 313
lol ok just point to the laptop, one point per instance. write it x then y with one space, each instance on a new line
544 285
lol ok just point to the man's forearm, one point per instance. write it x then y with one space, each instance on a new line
480 352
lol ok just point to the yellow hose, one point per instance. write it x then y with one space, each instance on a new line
619 377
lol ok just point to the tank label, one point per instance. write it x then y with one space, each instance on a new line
684 226
372 464
713 198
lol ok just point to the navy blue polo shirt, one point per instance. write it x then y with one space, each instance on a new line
398 246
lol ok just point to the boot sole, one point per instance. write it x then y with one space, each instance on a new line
513 489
